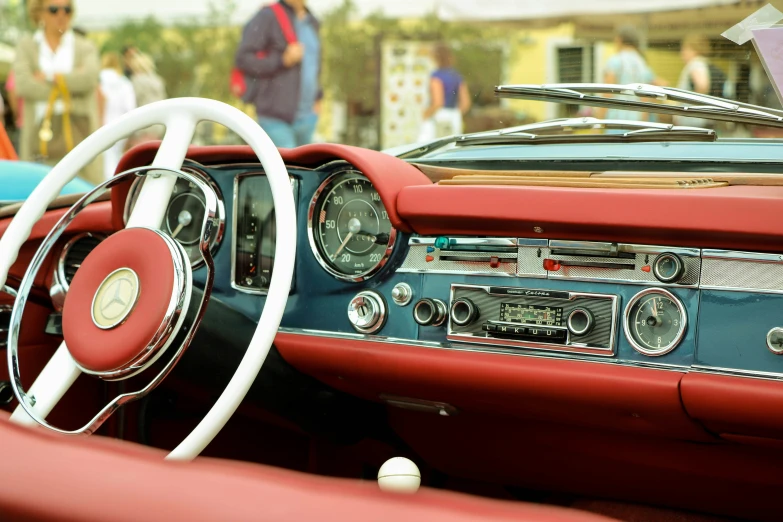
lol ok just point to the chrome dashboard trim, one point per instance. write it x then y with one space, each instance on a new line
234 217
732 372
476 348
467 241
741 256
355 278
680 334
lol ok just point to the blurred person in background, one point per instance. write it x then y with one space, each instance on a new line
56 74
128 52
148 87
698 75
449 98
118 98
282 71
627 65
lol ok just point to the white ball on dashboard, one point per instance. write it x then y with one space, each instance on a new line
399 475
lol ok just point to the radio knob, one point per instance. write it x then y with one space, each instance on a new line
463 312
429 312
367 312
580 322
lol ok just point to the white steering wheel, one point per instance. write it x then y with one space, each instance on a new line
119 286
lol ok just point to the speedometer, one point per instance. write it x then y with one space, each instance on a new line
349 228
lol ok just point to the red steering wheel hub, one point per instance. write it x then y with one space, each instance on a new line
125 302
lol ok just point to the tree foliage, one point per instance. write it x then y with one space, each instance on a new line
194 58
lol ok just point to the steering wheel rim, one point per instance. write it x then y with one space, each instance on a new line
180 117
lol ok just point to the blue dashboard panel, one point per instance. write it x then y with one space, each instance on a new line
729 326
438 286
733 328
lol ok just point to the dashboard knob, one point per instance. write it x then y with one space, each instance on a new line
430 312
402 293
668 267
463 312
367 312
580 322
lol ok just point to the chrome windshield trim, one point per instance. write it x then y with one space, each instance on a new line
696 105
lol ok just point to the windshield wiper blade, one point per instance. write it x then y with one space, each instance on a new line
552 131
692 104
534 130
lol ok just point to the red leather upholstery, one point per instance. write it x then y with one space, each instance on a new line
735 404
56 478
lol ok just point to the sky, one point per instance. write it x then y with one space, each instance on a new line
100 14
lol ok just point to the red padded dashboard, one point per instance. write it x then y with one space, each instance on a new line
734 217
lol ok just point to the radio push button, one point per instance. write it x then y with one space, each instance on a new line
430 312
463 312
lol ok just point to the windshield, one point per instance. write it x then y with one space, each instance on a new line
371 73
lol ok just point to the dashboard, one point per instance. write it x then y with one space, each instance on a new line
653 306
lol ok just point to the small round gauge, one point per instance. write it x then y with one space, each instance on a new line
668 267
655 322
184 215
349 228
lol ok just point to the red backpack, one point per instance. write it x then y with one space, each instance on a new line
237 81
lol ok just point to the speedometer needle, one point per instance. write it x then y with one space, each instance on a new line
342 245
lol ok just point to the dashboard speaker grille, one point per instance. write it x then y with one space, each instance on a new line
742 274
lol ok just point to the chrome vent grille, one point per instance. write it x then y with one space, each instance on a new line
74 253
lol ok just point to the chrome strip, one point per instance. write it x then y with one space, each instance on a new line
468 347
731 372
467 241
741 289
457 272
680 334
742 256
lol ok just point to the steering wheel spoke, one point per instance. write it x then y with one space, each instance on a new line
150 207
52 383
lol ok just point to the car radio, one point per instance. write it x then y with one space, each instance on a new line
538 319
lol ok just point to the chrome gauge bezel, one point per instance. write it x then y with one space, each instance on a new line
221 210
680 333
352 278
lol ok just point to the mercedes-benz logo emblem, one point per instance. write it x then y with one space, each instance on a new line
115 298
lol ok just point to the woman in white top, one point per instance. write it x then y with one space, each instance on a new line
56 74
118 98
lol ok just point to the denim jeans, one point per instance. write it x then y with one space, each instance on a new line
289 135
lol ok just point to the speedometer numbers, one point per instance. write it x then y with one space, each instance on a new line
655 322
349 228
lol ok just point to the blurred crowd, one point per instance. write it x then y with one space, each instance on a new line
61 89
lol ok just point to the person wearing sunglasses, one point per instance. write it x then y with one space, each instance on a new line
56 72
